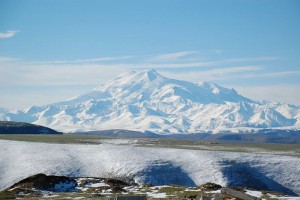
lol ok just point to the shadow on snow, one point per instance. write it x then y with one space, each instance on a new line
165 173
242 174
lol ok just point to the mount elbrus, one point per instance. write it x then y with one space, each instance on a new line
149 101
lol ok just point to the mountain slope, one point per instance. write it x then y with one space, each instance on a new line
149 101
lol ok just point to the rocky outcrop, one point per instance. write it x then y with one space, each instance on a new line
227 193
42 186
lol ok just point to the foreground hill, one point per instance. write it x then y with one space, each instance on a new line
8 127
149 101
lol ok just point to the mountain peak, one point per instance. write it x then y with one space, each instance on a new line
151 71
150 74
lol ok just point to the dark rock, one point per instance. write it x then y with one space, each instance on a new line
230 193
210 186
49 183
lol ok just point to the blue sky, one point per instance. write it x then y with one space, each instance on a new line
51 50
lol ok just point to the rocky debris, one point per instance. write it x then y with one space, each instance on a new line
42 186
210 186
218 196
132 198
116 183
227 193
101 185
36 185
224 194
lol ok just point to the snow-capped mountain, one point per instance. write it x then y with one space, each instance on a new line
149 101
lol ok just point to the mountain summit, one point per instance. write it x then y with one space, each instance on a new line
149 101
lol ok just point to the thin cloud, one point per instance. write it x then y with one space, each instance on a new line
91 60
8 34
272 74
68 74
234 70
90 73
193 59
217 51
87 71
214 74
287 93
173 56
4 59
171 66
260 58
183 55
282 74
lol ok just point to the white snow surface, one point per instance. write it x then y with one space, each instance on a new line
97 185
19 160
149 101
257 194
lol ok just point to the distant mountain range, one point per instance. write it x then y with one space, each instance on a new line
148 101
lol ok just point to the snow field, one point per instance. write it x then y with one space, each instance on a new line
19 160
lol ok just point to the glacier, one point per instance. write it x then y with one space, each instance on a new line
148 101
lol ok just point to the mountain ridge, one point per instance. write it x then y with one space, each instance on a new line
148 101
